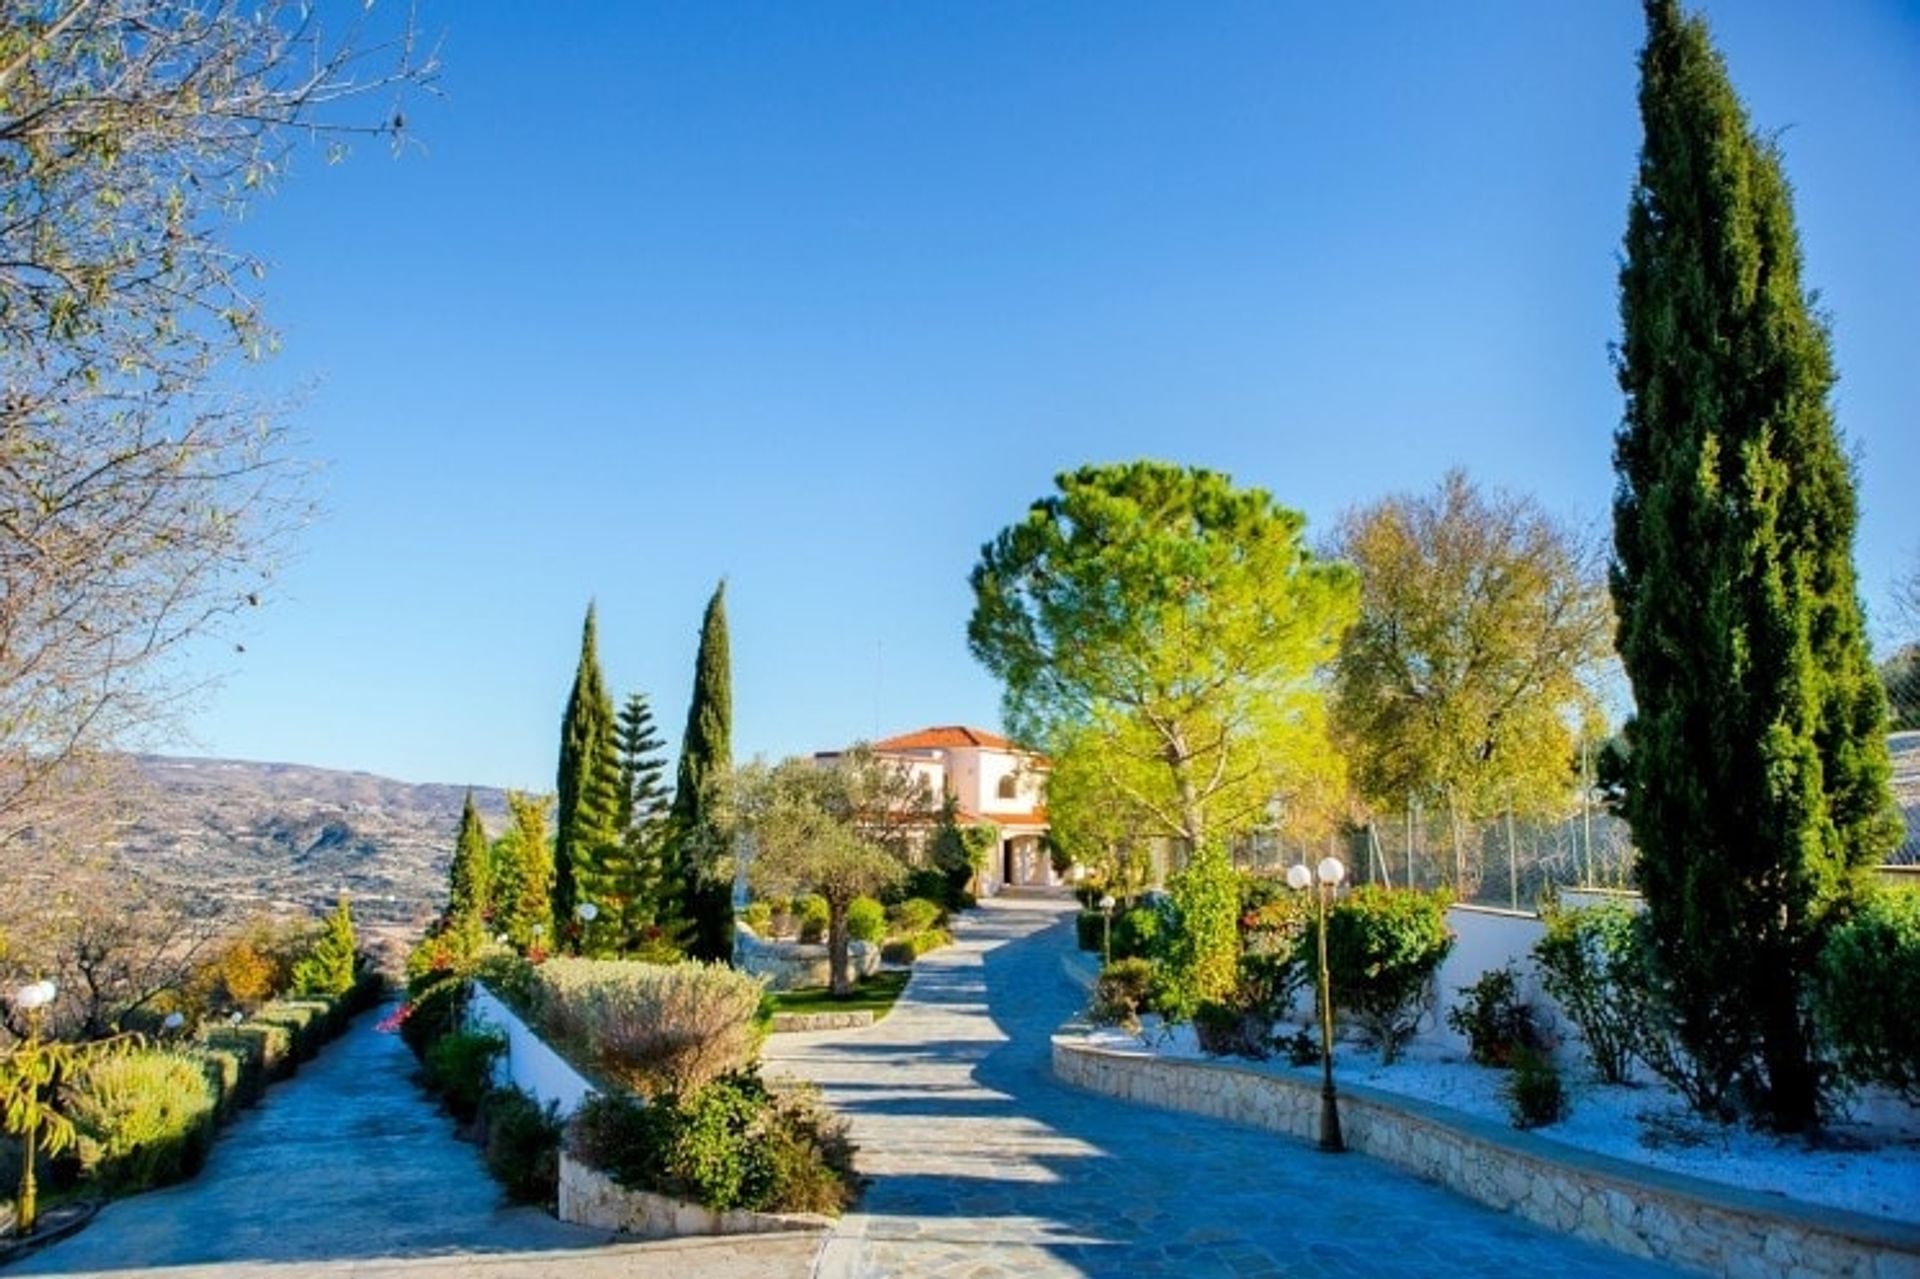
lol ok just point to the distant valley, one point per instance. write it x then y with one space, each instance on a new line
286 838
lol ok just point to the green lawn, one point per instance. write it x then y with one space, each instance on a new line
876 995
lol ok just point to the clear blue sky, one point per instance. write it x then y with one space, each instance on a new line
818 296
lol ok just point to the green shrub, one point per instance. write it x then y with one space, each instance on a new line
250 1075
1203 947
1229 1029
905 950
653 1028
813 915
1090 931
1590 962
275 1048
866 920
1495 1020
759 917
226 1070
1867 992
1535 1097
1138 933
1124 991
1383 947
729 1144
143 1118
305 1024
522 1144
459 1067
914 915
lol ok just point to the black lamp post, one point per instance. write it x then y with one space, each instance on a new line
1106 929
1322 881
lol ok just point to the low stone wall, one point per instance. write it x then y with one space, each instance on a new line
1642 1211
790 965
788 1022
589 1197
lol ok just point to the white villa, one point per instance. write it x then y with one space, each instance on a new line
993 783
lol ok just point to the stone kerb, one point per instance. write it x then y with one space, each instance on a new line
784 1023
1641 1211
528 1063
789 965
589 1197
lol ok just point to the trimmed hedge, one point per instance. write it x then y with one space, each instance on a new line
144 1118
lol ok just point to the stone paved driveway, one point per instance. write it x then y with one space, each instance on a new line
348 1170
983 1166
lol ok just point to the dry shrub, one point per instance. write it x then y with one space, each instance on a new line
653 1028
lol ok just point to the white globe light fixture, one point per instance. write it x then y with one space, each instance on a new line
34 996
587 911
1321 880
173 1021
1106 928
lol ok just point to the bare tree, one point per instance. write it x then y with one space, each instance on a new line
142 497
112 943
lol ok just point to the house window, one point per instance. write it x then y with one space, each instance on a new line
1009 787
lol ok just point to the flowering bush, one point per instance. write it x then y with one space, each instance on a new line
654 1028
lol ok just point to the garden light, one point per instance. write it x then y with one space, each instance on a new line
1330 872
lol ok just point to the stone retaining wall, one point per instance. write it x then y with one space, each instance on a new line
1646 1212
589 1197
787 1022
790 965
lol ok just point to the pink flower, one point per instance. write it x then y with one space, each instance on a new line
392 1021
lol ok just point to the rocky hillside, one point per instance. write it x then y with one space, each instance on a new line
286 838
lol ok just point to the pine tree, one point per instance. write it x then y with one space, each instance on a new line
587 851
329 968
706 754
652 912
1759 773
470 878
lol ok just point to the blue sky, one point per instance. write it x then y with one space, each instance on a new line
818 296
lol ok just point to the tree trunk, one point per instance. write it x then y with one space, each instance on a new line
838 946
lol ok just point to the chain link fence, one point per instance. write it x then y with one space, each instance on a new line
1515 862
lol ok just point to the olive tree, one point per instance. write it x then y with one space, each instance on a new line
842 827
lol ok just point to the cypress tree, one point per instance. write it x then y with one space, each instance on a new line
706 754
1758 780
470 879
586 851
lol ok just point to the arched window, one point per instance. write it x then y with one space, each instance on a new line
1010 787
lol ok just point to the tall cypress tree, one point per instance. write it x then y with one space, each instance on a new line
1759 773
470 879
586 848
706 753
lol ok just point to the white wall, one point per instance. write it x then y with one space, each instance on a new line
528 1064
1486 938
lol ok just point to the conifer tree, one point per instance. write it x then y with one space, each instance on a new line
523 872
328 969
587 847
706 755
470 878
653 902
1759 775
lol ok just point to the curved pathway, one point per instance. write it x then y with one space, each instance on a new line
347 1169
983 1166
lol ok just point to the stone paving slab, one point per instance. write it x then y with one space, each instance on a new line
983 1166
349 1170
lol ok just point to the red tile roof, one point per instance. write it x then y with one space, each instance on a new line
946 735
1038 817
